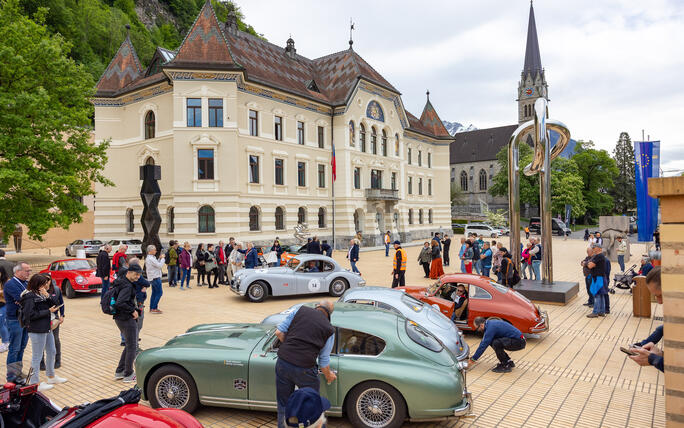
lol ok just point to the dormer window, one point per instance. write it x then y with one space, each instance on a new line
311 85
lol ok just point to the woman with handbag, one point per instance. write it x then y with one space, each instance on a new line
468 257
598 288
55 323
210 265
200 259
436 269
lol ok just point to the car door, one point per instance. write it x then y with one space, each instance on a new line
480 303
310 282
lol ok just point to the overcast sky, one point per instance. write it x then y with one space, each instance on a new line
611 65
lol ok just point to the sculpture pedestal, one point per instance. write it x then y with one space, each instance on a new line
559 293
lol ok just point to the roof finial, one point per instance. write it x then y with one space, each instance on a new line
128 29
428 94
351 28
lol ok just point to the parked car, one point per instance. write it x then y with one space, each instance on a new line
405 305
481 229
74 276
388 369
91 247
503 230
303 274
292 251
558 227
134 246
486 299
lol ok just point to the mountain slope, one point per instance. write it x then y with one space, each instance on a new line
455 127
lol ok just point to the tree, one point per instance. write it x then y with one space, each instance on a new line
457 195
597 171
529 185
47 159
566 188
496 218
624 189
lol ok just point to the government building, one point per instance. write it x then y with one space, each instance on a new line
245 131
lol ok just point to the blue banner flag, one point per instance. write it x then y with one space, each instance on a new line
647 165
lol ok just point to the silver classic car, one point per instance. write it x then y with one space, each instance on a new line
303 274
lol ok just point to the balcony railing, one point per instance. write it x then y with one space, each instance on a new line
382 194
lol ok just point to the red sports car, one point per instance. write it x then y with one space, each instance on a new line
74 276
486 299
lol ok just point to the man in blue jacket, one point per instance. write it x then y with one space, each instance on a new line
18 335
502 337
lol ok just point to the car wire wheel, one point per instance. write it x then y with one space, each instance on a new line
375 407
172 391
337 287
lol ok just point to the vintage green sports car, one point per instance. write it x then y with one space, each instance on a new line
389 369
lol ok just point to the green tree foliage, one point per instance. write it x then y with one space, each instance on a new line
47 160
457 195
624 189
598 173
529 185
566 188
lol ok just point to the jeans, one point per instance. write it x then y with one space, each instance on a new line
140 320
527 270
354 268
621 262
386 250
129 329
287 377
185 278
477 267
599 304
172 274
156 293
4 333
42 342
18 341
58 348
535 267
105 287
502 344
463 269
485 270
587 282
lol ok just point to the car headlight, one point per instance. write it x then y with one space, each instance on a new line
80 280
463 365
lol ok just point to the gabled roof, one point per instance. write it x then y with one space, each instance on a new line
121 71
431 121
533 63
204 45
479 145
161 57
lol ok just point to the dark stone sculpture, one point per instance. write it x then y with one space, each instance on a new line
150 193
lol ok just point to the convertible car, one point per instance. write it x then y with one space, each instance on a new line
402 304
486 299
74 276
303 274
389 369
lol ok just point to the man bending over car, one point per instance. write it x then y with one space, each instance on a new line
502 337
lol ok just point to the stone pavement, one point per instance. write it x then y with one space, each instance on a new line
573 375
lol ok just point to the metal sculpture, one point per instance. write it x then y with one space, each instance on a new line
150 194
539 127
301 232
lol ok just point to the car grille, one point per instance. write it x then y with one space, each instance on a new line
94 286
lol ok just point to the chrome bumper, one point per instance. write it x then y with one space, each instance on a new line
467 407
542 325
235 290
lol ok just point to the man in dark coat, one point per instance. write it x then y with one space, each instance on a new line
446 244
104 267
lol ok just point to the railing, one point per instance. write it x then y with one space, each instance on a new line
382 194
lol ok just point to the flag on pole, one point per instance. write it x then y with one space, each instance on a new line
333 164
647 165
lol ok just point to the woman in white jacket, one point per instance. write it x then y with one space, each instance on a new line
153 266
236 258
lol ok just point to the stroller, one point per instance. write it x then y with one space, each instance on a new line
624 280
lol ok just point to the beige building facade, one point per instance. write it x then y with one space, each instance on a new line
244 130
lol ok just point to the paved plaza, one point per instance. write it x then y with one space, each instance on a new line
573 375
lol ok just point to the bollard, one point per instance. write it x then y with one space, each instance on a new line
641 298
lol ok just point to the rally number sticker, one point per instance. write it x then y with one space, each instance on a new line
314 285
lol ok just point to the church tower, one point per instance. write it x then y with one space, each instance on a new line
532 79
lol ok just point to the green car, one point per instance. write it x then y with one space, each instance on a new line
389 369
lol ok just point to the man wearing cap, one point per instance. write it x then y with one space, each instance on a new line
306 334
125 316
306 408
399 271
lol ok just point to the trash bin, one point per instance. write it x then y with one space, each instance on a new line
641 298
80 254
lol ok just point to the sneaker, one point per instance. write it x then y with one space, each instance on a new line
56 380
188 287
510 364
130 379
607 312
4 347
118 376
58 364
44 386
123 343
588 304
155 311
501 368
182 288
602 315
592 315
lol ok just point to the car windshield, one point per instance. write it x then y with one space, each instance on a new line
79 265
94 242
422 337
434 287
292 264
414 304
499 287
134 242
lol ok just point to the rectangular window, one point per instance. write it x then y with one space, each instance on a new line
393 181
321 137
194 111
420 186
253 168
376 179
409 156
253 123
420 158
300 133
279 171
278 128
429 187
321 176
357 178
410 186
215 112
205 164
429 160
301 174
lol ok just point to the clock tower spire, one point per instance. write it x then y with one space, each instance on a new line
532 79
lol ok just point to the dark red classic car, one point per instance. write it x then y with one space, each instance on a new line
74 276
486 299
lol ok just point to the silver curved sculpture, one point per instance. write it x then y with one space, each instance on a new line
541 164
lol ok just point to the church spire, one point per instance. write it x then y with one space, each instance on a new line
532 56
532 79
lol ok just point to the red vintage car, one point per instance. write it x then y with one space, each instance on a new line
486 299
74 276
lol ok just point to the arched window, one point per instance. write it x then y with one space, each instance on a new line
362 137
352 134
374 141
384 143
321 218
420 216
430 216
279 219
149 124
396 145
464 181
410 216
206 219
483 179
170 219
301 215
149 160
130 220
254 218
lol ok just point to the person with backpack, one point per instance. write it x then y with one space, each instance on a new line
119 259
104 268
200 257
536 257
37 310
210 265
125 313
467 258
476 256
509 272
154 275
56 296
171 258
18 335
141 286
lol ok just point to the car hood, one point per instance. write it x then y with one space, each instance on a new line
225 336
438 320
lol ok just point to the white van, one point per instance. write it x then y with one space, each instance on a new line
481 229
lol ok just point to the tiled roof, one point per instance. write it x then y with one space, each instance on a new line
479 145
143 82
431 120
121 71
